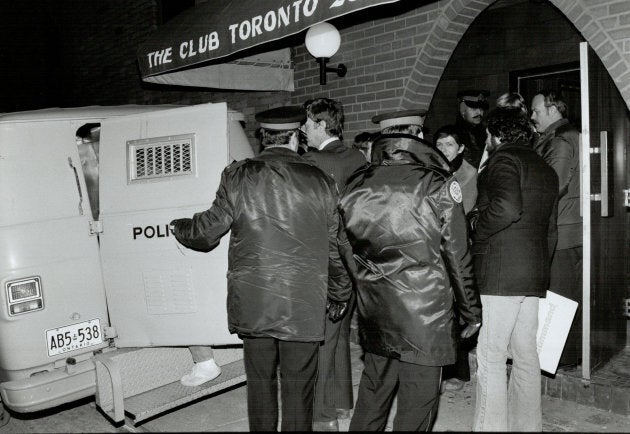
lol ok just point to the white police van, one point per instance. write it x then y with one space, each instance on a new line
97 298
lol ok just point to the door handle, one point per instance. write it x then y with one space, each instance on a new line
76 178
603 158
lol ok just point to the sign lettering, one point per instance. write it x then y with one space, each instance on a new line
157 231
231 30
160 57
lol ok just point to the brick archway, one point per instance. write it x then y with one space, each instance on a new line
601 24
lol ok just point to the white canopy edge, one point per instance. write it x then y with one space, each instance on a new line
265 71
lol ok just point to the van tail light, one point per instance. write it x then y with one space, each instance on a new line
24 295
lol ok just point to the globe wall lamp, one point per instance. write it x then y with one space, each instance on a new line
322 41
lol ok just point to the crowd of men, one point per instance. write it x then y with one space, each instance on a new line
440 246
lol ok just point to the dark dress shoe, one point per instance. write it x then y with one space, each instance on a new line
326 425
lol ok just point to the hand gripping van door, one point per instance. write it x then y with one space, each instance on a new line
160 166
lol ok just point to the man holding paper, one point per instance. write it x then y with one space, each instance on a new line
513 240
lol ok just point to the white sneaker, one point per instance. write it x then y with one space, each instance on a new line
201 372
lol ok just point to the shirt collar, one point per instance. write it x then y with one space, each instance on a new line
327 142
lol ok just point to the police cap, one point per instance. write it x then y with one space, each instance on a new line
282 118
474 98
402 117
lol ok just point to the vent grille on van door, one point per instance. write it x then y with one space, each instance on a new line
161 157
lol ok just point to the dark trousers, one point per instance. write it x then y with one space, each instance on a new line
461 368
418 395
298 371
334 380
566 280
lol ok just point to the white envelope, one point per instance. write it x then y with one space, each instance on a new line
555 315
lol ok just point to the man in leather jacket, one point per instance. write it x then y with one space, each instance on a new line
406 225
284 266
558 144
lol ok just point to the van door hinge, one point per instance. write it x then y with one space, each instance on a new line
96 227
110 332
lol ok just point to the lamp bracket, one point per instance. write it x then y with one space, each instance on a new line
341 70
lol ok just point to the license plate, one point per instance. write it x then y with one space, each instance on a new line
74 337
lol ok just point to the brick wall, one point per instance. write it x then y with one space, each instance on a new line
29 58
396 55
114 31
89 58
395 59
380 54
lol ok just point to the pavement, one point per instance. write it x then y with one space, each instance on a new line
227 412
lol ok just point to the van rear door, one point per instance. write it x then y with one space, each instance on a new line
52 301
156 167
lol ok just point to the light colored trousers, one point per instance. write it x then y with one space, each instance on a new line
509 327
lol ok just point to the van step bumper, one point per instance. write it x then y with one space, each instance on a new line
134 385
49 389
146 405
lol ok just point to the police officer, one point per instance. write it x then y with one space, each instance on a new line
401 121
284 267
472 106
408 232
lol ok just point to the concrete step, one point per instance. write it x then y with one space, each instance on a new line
607 389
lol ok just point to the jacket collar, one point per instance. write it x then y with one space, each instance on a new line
551 129
278 152
390 149
516 143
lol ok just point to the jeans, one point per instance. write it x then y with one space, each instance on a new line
502 405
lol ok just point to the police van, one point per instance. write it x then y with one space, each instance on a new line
97 297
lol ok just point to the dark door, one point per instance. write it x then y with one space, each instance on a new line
609 131
609 259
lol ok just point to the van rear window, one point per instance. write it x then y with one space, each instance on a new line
161 157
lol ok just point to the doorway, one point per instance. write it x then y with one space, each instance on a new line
609 123
564 77
524 47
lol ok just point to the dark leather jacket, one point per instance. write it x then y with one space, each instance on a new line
558 146
515 231
283 256
406 225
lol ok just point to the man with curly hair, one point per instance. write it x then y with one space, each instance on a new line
513 240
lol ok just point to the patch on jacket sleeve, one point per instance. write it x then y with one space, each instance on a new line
456 191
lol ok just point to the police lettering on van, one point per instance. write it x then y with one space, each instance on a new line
157 231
